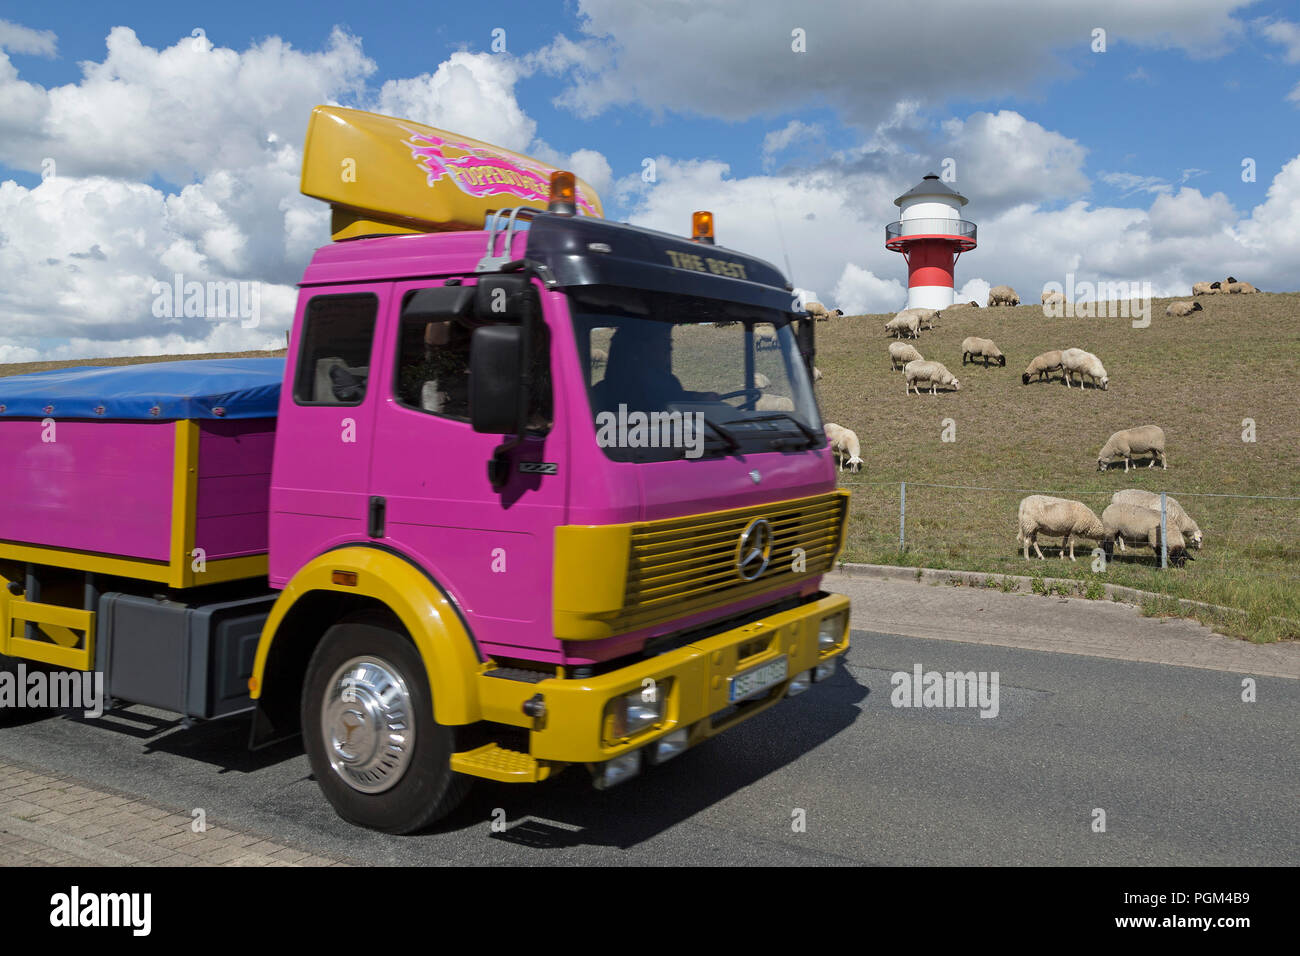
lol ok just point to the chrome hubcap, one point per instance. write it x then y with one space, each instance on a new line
367 723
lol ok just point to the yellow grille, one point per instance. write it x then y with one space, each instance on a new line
681 566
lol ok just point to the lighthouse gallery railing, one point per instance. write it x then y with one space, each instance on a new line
930 227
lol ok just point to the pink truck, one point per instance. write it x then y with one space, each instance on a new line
551 490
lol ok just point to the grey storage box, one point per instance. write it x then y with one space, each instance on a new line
193 659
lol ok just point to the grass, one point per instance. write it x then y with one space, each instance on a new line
24 368
1196 377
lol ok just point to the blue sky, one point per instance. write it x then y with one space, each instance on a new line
1145 139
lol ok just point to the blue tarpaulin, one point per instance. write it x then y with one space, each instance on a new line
201 388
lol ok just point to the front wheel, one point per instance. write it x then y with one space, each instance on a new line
367 718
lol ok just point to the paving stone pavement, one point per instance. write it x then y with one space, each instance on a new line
51 820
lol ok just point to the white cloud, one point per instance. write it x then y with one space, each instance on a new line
732 63
780 139
20 39
859 291
1283 32
1011 159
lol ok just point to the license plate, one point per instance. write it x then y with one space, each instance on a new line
760 678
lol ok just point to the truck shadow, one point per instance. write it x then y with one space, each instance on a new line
568 812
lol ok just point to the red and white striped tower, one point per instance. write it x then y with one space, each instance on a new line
930 234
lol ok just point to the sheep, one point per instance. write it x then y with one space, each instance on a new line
981 348
1086 365
900 353
919 370
774 403
817 374
1003 295
1205 288
1143 440
1183 308
904 327
1053 298
820 312
1174 512
1043 366
844 445
599 357
1056 517
1136 524
1237 287
761 380
928 317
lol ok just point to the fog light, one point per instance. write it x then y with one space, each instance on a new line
825 669
666 748
628 715
799 683
615 771
831 631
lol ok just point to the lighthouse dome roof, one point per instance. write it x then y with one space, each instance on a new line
931 187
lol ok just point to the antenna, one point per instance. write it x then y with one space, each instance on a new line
785 254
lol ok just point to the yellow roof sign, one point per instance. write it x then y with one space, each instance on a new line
384 175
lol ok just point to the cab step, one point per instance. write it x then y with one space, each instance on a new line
507 766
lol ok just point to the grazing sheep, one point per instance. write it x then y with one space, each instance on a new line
774 403
820 312
1043 366
1053 298
900 353
920 370
1237 287
1183 308
1137 525
1174 512
1143 440
981 348
904 327
1205 288
1086 365
1058 518
1003 295
845 446
928 317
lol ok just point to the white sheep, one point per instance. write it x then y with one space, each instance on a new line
845 445
1042 366
975 347
1003 295
1053 298
761 380
820 312
1234 288
934 373
1174 512
928 317
1205 288
904 326
1143 440
1085 365
1136 524
774 403
1058 518
1183 308
900 353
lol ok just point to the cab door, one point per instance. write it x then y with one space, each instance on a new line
489 549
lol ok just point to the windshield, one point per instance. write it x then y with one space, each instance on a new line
673 376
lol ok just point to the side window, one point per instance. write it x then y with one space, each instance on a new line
334 358
433 370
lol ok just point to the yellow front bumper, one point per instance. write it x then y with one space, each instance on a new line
697 677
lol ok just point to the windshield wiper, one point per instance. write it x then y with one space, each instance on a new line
732 443
808 432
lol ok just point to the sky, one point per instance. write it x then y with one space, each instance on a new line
1112 141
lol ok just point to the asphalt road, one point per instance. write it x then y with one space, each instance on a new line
1186 772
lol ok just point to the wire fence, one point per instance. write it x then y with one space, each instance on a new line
976 526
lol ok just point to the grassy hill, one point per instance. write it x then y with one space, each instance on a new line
1196 377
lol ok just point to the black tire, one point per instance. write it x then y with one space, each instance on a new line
426 789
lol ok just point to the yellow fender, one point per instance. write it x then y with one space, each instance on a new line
450 658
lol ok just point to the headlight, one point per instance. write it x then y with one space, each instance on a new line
831 631
617 770
638 710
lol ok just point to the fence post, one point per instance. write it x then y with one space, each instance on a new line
902 513
1164 538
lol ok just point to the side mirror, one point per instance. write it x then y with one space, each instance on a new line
496 387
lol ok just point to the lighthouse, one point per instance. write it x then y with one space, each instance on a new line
931 234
